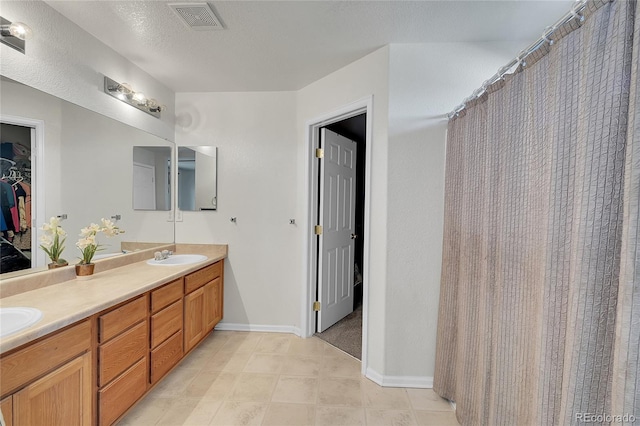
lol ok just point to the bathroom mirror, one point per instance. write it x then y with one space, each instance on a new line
151 178
86 175
197 178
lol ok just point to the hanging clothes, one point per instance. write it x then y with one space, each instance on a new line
13 206
21 196
26 187
7 202
22 240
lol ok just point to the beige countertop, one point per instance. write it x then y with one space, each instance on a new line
73 300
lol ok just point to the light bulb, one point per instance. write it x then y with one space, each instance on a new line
20 30
125 88
139 97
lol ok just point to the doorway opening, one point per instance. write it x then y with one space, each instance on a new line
358 131
17 239
344 329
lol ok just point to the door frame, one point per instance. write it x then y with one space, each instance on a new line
37 181
312 137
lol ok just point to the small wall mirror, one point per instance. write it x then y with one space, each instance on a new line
197 178
151 178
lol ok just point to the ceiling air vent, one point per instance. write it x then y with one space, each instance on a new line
198 16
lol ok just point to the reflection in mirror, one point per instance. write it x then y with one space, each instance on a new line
17 238
86 174
151 178
197 178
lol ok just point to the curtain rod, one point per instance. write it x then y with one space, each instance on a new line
574 13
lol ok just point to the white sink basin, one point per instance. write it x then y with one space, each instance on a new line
13 320
105 255
178 259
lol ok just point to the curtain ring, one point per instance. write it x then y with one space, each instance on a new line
548 32
522 59
576 15
502 71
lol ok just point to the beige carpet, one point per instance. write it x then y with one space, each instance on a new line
346 334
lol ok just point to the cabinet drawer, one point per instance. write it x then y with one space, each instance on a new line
166 295
166 356
36 359
116 398
118 320
201 277
118 354
165 323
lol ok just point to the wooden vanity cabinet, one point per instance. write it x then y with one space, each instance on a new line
122 358
95 370
202 303
49 381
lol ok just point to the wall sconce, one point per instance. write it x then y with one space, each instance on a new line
126 94
14 34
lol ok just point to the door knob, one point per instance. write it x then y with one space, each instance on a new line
354 236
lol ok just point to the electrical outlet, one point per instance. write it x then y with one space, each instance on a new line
178 215
170 216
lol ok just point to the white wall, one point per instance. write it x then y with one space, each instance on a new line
21 101
67 62
426 81
257 181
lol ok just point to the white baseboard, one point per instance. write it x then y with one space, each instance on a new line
227 326
424 382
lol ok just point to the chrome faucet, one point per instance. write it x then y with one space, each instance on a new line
164 254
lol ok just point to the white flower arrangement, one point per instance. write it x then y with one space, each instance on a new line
88 243
52 240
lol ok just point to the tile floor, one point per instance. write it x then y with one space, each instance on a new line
242 378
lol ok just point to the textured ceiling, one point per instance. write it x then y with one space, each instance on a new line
286 45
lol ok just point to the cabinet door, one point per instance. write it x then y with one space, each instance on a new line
212 304
193 318
6 407
62 397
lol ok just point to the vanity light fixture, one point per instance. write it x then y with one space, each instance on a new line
126 94
14 34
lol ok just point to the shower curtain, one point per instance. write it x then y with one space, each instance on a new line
539 317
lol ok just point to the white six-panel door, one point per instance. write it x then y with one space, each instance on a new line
144 187
337 218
